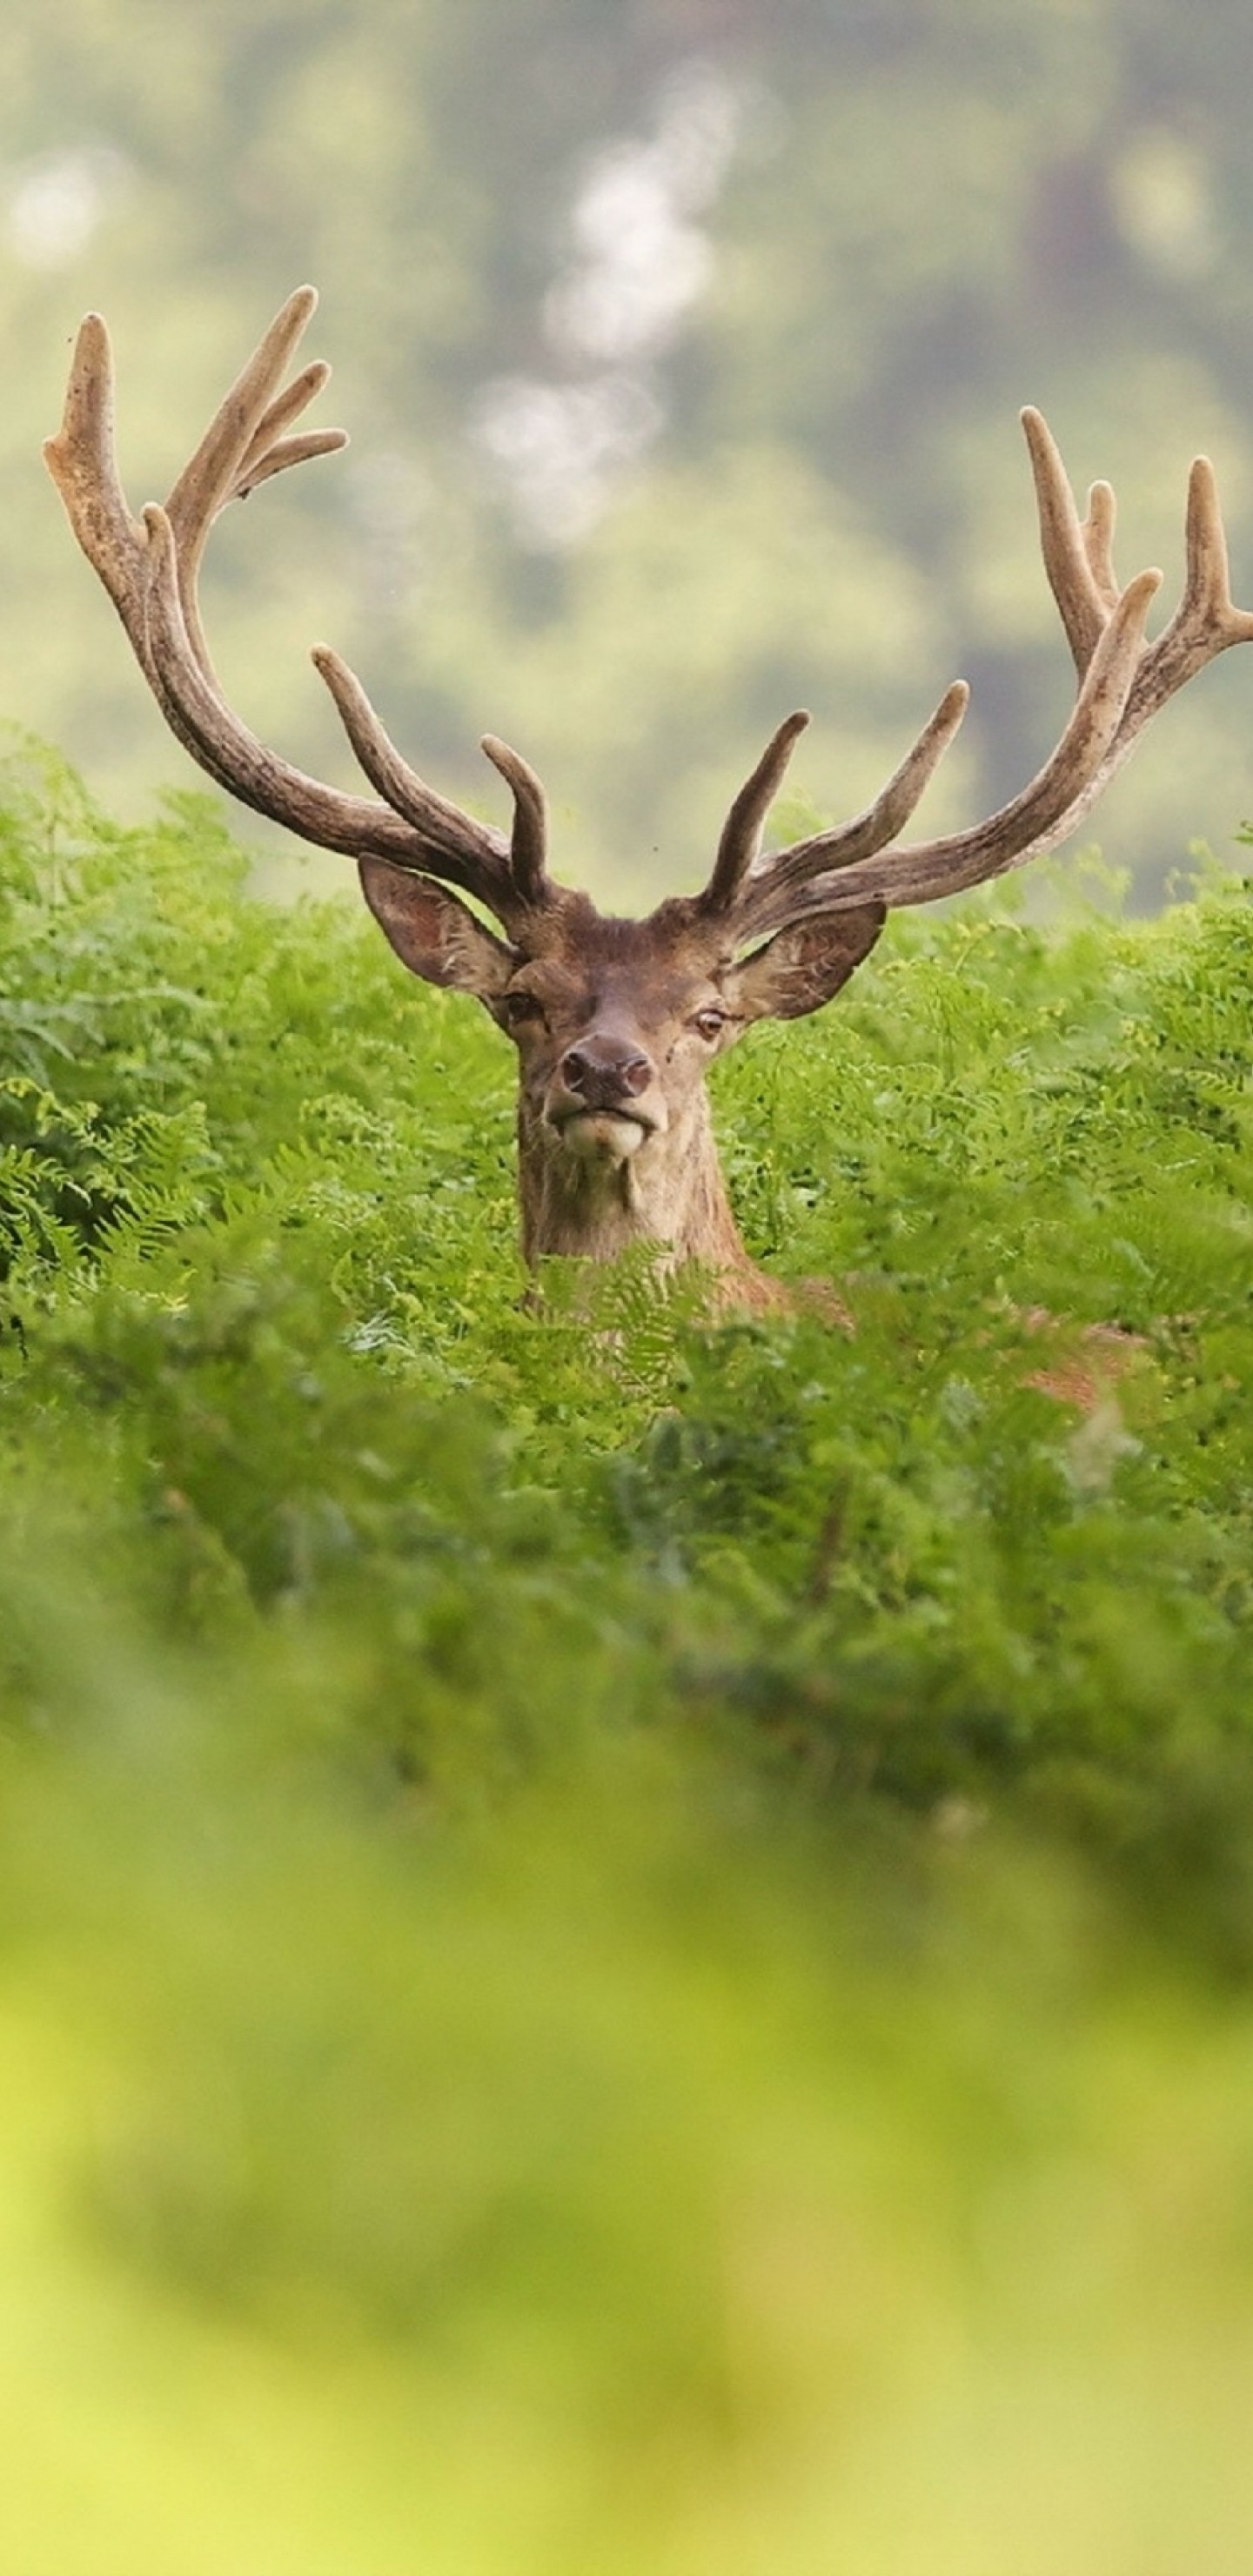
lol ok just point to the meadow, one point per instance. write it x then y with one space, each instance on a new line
626 1945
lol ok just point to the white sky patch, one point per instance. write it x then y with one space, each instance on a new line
638 263
57 203
561 448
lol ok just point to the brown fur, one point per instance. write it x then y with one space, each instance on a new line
662 996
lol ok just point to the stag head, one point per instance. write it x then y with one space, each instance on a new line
616 1024
617 1021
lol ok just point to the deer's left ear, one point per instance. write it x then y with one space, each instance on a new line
801 968
433 933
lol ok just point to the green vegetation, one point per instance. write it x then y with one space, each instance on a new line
625 1946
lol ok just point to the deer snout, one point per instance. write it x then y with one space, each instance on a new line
604 1072
605 1101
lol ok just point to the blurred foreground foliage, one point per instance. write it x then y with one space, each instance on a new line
626 1947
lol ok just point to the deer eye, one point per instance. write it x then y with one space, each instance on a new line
520 1007
709 1024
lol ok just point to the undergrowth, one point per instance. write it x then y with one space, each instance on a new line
532 1838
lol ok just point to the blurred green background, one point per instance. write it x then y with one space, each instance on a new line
681 343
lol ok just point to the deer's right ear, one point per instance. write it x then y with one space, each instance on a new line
433 933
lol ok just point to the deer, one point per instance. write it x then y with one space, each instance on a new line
616 1021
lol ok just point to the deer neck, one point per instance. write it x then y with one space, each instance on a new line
670 1193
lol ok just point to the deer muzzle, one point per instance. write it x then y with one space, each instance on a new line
604 1099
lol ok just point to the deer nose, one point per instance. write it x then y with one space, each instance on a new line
603 1071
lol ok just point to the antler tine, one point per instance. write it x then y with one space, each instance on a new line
529 847
469 853
286 407
208 478
509 877
1076 552
767 898
83 464
1206 621
1207 589
741 833
1098 538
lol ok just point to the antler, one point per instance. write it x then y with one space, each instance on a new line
1078 559
150 566
1123 681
